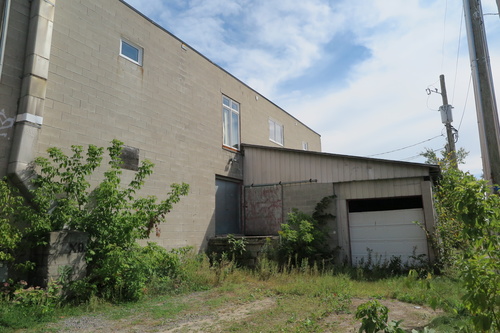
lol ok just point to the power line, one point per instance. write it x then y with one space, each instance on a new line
419 155
466 99
444 34
458 56
416 144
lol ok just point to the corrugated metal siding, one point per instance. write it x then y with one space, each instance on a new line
264 166
379 188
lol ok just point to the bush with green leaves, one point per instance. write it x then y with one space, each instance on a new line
472 202
302 238
111 213
374 318
467 240
11 203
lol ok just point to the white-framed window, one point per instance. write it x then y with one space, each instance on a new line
275 132
305 145
131 51
230 123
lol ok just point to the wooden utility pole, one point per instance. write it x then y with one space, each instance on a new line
486 108
446 118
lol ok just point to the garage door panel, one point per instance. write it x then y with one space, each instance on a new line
387 248
387 233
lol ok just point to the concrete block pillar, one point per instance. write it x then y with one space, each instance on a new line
66 248
34 86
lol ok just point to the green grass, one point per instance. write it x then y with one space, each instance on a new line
302 302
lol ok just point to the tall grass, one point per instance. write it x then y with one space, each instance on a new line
303 296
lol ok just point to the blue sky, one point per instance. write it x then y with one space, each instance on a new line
353 71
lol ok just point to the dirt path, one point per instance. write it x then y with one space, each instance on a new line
414 317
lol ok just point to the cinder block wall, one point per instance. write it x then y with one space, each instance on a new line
66 250
170 108
305 197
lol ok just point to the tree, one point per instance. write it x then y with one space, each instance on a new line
444 160
468 237
111 214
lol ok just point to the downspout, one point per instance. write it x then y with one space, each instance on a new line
3 36
34 86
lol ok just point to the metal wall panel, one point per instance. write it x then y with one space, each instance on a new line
263 166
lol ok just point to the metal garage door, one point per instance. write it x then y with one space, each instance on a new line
388 233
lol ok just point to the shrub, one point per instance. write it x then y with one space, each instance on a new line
302 238
11 204
468 239
112 215
121 274
374 318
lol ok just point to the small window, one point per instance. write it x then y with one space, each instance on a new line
305 145
230 123
131 51
275 132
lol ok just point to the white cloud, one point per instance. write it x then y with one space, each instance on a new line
381 104
384 106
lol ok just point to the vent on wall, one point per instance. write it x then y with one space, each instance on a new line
130 158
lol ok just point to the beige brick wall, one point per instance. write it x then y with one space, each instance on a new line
170 108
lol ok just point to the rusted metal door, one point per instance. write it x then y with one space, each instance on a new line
227 207
263 210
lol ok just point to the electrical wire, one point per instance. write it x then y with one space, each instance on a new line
429 92
458 56
465 104
416 144
420 155
444 34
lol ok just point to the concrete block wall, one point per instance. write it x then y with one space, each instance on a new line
255 247
170 108
305 197
65 249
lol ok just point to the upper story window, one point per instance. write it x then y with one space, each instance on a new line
230 123
275 132
131 51
305 145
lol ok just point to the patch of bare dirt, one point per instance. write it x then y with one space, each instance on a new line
212 322
413 316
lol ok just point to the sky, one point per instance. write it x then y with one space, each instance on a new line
356 72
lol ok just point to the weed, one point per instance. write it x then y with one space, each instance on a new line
374 318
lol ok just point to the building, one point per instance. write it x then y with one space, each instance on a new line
87 72
376 205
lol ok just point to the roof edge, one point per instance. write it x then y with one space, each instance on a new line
433 168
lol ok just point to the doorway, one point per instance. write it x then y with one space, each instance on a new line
227 206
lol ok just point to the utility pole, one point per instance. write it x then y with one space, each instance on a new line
486 108
447 118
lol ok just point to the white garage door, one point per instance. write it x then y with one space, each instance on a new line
388 233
